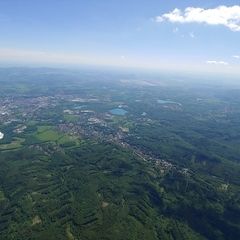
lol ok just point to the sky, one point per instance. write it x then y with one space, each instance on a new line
153 34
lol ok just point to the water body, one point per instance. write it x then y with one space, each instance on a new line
80 107
118 111
1 135
167 102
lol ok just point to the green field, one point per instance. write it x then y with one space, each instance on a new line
71 118
47 133
16 143
50 134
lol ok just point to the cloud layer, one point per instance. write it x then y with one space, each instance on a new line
222 15
236 56
213 62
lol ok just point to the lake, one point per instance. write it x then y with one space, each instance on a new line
167 102
118 111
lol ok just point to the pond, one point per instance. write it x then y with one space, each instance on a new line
167 102
118 111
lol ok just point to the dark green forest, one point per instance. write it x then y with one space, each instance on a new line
167 168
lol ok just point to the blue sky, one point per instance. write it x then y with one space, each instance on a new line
120 33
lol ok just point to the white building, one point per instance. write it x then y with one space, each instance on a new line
1 135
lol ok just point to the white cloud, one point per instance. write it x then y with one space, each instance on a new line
222 15
175 30
192 35
213 62
236 56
